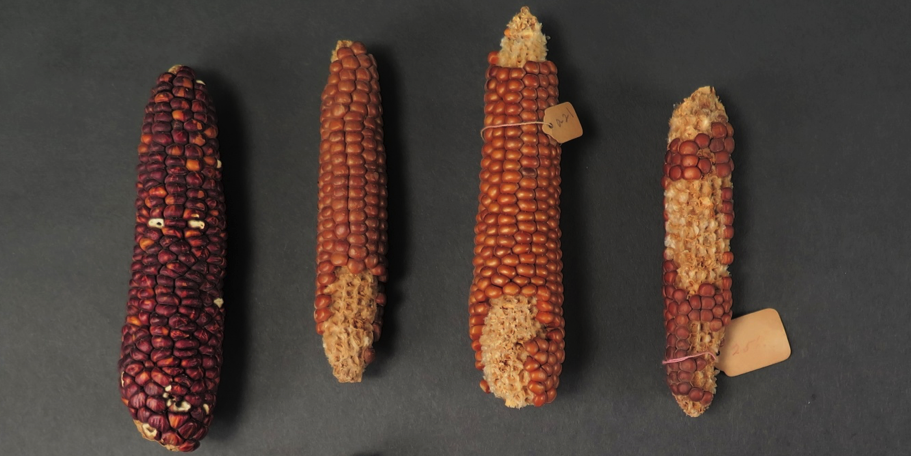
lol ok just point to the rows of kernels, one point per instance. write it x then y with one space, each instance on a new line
698 224
688 318
706 153
517 235
352 216
171 342
699 211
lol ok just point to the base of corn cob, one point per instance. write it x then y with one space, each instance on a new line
510 323
698 214
149 433
348 333
516 296
351 250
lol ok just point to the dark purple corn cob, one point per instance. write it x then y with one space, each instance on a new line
170 357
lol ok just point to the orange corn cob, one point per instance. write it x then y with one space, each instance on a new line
351 249
516 323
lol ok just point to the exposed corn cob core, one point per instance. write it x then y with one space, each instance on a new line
349 329
351 244
522 41
698 212
516 299
170 356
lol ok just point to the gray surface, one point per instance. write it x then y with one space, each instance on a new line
818 95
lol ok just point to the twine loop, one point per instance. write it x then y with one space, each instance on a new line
683 358
519 124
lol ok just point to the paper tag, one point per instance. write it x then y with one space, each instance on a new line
753 341
562 123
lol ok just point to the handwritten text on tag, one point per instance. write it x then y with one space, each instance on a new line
562 123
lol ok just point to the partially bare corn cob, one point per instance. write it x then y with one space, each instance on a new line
170 357
516 323
351 245
698 213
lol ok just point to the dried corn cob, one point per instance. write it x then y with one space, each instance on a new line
351 245
698 214
170 355
516 323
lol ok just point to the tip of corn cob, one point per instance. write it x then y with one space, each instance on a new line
177 68
349 47
339 45
522 41
696 114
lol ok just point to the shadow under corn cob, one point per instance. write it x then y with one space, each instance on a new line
698 213
351 244
170 355
516 322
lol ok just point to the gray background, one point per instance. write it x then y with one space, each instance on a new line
819 97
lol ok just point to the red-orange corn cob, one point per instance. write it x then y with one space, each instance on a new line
698 213
351 245
516 323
